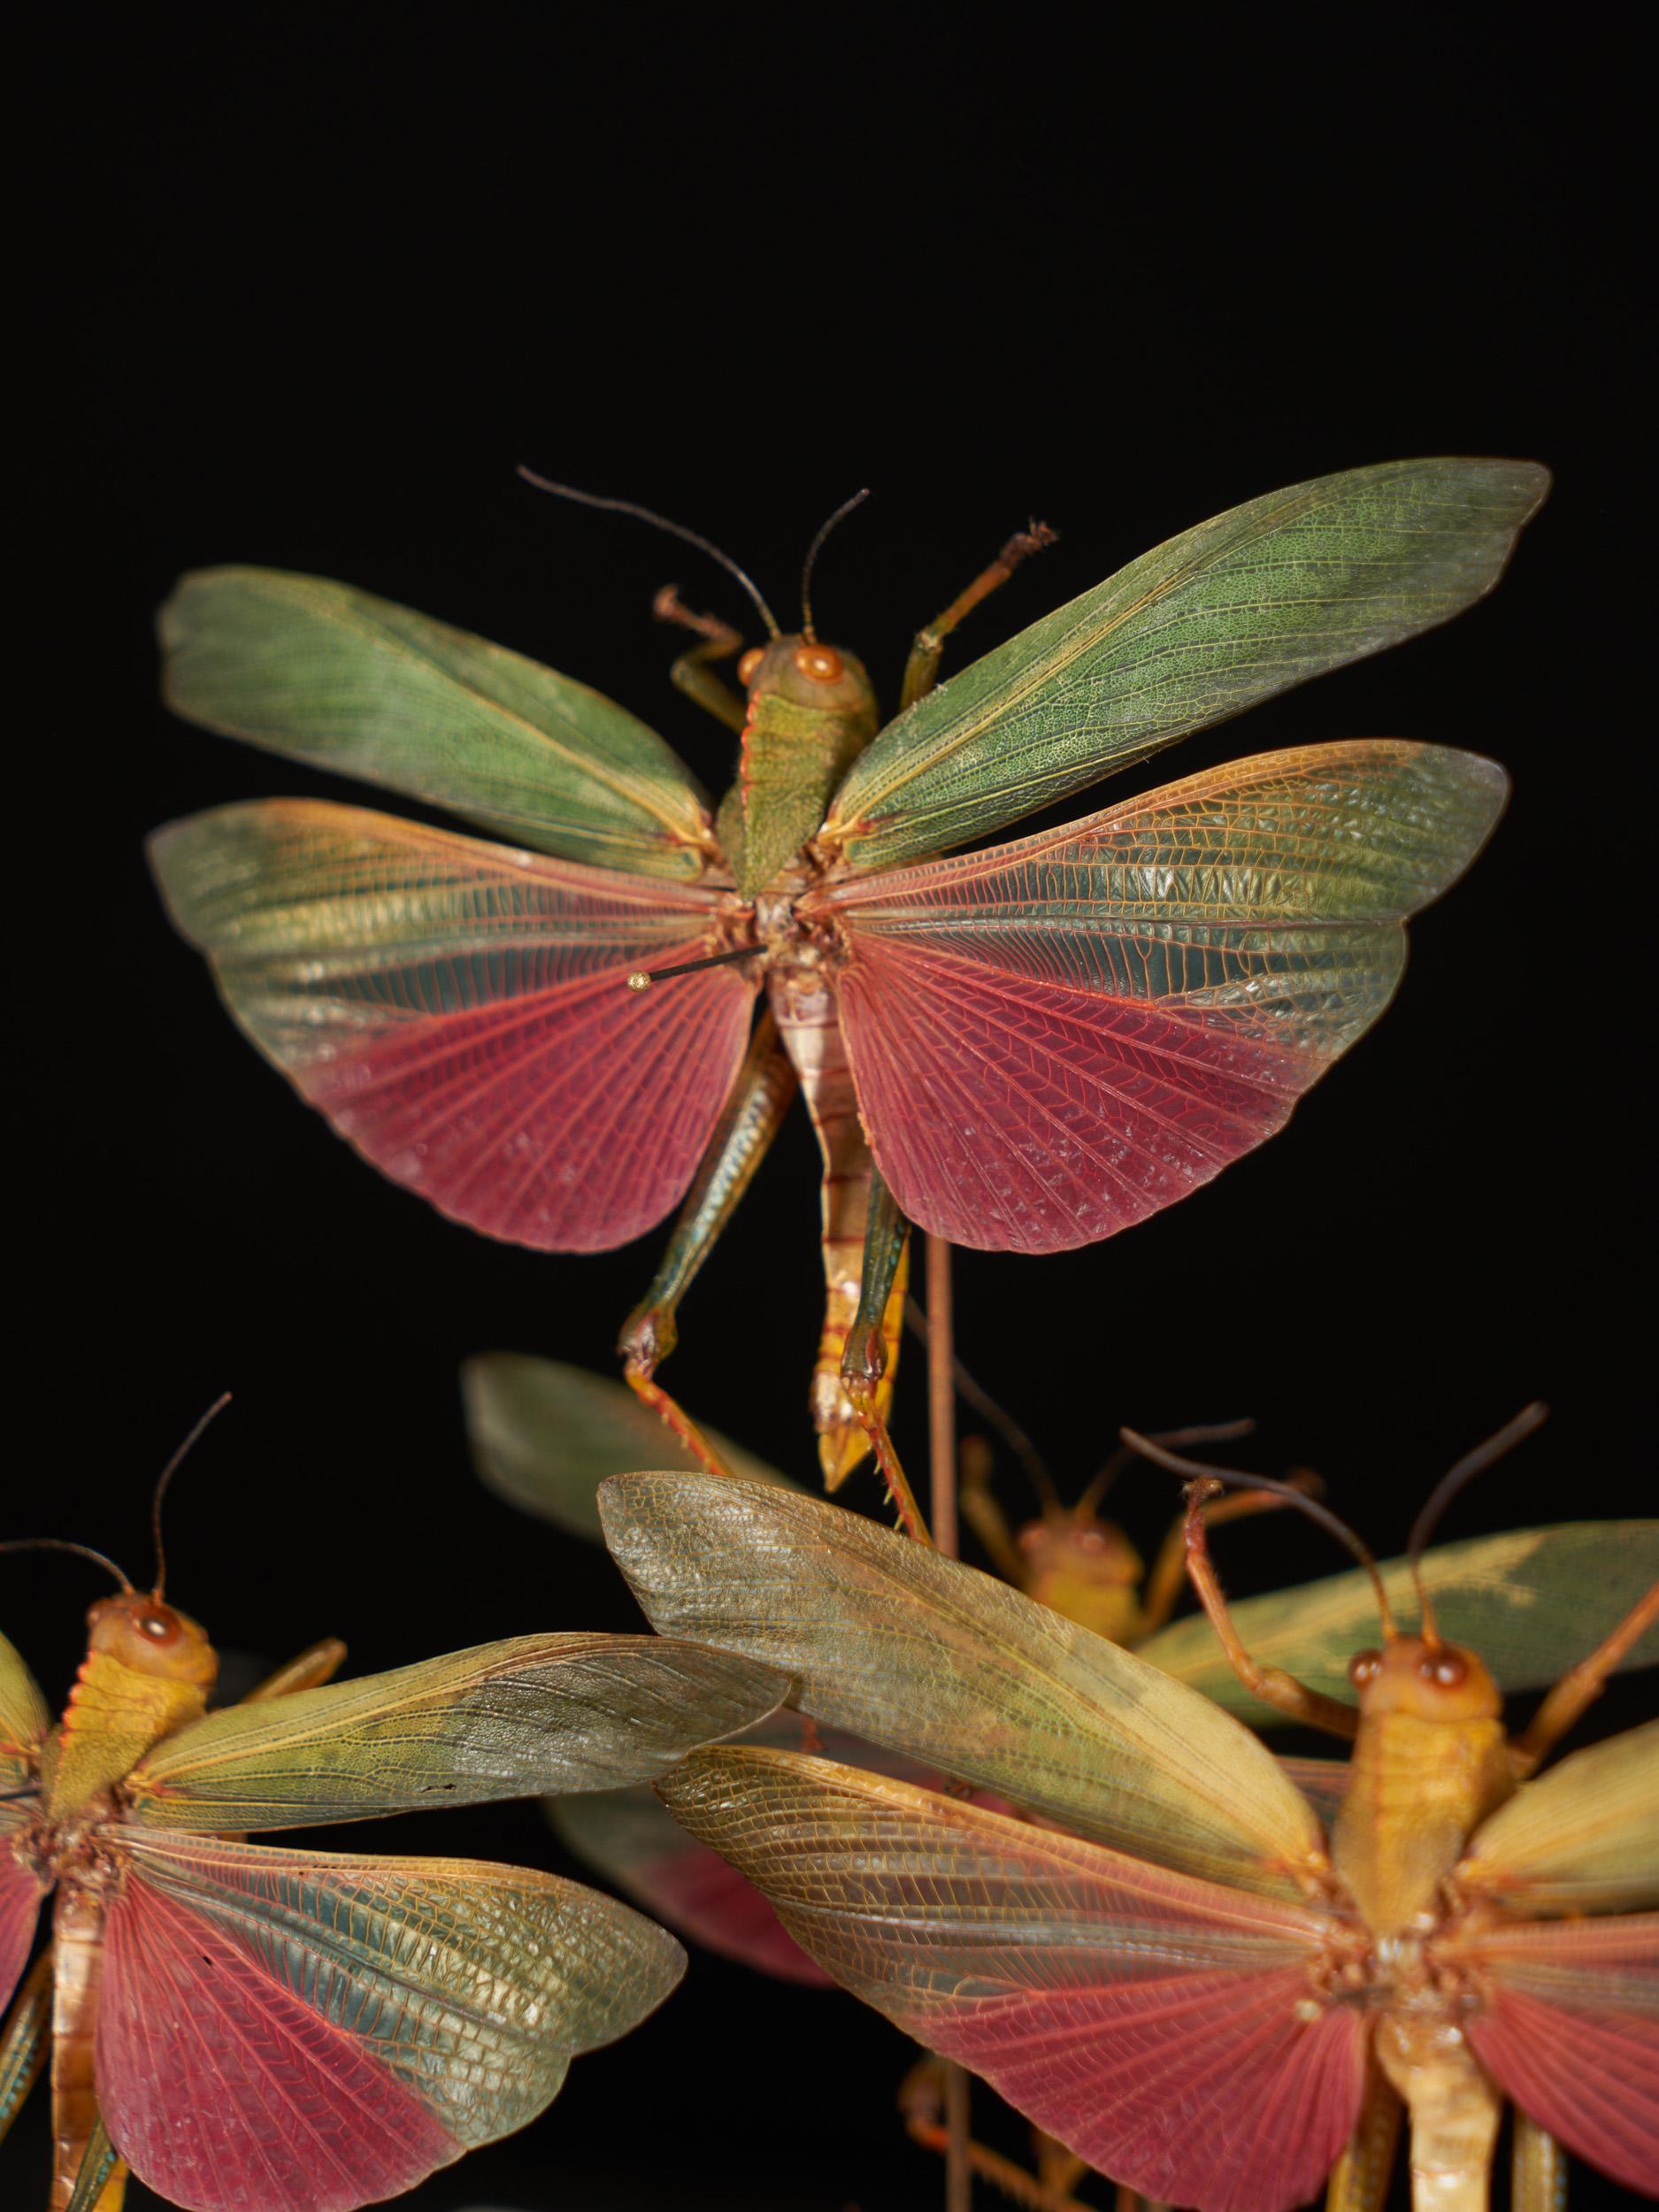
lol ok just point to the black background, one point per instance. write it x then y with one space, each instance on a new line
307 290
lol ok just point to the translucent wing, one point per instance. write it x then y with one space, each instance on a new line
631 1838
633 1841
1530 1602
302 2032
1054 1039
1565 2019
1164 2029
460 1012
1246 605
321 672
1583 1838
531 1715
544 1436
954 1668
23 1721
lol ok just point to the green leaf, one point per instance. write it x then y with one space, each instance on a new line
327 674
1262 598
1530 1603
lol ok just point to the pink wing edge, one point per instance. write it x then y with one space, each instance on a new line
570 1120
1062 1115
1602 2103
225 2093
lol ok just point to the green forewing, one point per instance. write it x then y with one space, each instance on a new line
1260 598
322 672
1530 1603
1583 1838
530 1715
24 1719
545 1435
888 1639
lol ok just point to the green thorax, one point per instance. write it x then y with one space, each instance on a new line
811 712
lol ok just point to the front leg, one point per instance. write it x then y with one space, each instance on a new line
1271 1685
921 671
691 672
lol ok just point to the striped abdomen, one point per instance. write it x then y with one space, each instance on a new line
804 1006
77 1965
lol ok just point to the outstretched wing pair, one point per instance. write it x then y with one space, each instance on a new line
286 2030
1146 1987
1049 1040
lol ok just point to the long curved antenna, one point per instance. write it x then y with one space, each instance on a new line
975 1395
810 562
166 1475
1171 1440
1472 1463
62 1543
1235 1479
657 522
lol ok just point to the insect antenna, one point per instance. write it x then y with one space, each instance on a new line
643 979
975 1395
657 522
1472 1463
62 1543
166 1475
1235 1479
810 562
1176 1440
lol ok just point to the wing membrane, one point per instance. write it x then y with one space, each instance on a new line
1530 1602
1053 1040
1566 2021
1583 1838
459 1012
24 1720
302 2032
1160 2027
544 1436
1262 598
321 672
891 1641
530 1715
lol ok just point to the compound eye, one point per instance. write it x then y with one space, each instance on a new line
1031 1536
1364 1667
821 662
160 1627
1445 1669
1091 1539
748 666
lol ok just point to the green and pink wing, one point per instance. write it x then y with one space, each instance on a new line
1283 588
1053 1040
304 2031
459 1012
1581 1841
24 1723
1163 2028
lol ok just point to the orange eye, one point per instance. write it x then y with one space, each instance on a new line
819 662
1091 1539
748 665
161 1628
1364 1667
1031 1536
1445 1668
